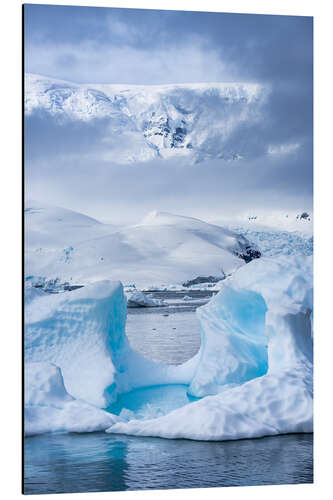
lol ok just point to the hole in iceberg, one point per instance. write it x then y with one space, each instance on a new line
233 350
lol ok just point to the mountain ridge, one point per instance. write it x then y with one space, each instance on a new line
196 121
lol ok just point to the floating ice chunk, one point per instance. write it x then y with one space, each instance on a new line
49 407
139 299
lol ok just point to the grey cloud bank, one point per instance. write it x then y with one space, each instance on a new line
65 163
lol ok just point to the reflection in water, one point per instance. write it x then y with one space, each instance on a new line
106 462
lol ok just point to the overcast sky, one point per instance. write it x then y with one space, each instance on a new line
102 45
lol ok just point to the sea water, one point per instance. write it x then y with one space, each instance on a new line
105 462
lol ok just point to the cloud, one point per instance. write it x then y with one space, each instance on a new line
72 165
92 62
282 149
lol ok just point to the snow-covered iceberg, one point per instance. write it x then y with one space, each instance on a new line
253 372
281 400
49 407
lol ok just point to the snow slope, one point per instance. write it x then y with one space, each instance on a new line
195 120
163 248
52 227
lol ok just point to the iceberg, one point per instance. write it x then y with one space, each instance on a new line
253 372
139 299
266 299
49 407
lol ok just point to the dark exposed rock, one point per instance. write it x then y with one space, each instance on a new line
178 137
162 127
304 215
249 254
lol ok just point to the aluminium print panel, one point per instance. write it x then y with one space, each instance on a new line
168 249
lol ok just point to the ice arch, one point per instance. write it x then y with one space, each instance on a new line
255 393
280 401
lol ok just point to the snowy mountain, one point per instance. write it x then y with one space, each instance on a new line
163 248
193 120
53 227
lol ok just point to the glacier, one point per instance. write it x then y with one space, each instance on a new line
253 372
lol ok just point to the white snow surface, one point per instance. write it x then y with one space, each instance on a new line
146 122
277 402
163 248
49 408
